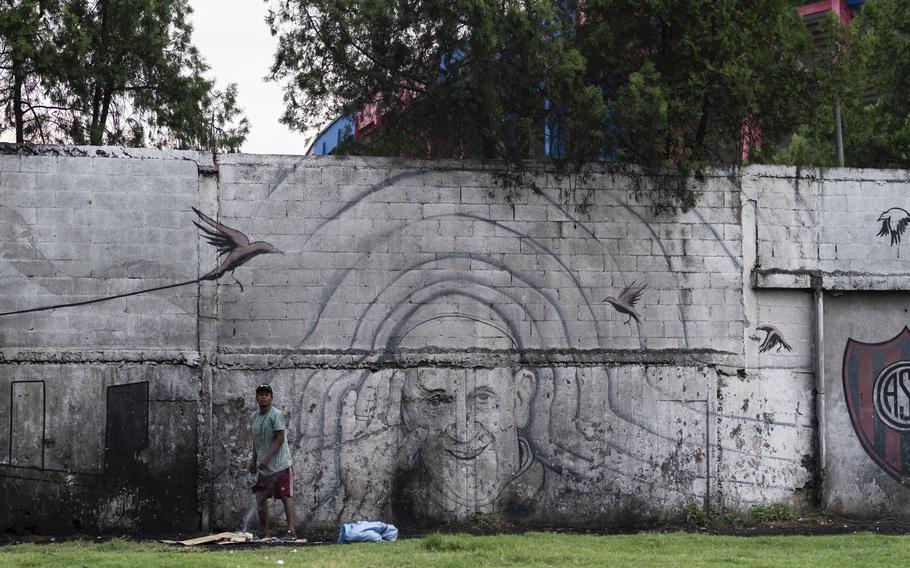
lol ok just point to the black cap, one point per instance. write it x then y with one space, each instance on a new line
264 387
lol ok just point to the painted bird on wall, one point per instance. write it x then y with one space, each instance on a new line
894 223
774 338
234 244
625 304
228 241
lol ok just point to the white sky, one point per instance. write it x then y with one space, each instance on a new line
234 39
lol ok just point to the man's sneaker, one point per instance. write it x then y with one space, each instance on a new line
288 536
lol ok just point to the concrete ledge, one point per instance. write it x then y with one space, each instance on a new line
814 173
822 280
470 358
204 160
262 359
36 356
782 279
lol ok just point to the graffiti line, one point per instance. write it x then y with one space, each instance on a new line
96 300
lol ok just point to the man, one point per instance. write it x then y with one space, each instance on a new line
466 425
272 461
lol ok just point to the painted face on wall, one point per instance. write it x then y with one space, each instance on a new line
465 424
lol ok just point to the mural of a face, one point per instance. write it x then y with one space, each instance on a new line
465 425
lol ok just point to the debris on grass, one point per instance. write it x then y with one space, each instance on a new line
229 538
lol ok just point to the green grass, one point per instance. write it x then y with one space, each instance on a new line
532 549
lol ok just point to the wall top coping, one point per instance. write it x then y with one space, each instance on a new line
829 174
204 160
208 162
802 279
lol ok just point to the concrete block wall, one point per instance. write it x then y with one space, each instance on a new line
74 228
440 343
87 447
827 223
99 403
829 249
363 236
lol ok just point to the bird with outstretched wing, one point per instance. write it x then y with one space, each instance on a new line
230 242
894 223
774 338
628 297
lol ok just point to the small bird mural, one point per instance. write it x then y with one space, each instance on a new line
625 304
894 223
234 244
774 338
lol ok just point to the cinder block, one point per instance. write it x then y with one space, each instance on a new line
530 212
439 209
26 199
634 247
10 163
38 163
74 165
54 216
722 264
17 182
405 211
715 330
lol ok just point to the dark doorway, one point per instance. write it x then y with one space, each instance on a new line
26 446
127 431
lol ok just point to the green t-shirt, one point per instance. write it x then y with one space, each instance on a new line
264 427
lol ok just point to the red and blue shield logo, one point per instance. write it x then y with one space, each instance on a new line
877 392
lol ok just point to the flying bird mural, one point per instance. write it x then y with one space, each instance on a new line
234 244
228 241
894 222
625 304
774 338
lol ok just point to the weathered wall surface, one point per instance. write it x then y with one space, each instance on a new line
839 234
98 415
440 344
445 346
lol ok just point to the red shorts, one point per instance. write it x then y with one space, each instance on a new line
276 486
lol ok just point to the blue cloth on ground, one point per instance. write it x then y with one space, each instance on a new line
367 531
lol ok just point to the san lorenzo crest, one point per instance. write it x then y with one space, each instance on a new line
876 380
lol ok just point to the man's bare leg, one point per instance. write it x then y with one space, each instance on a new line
263 503
289 513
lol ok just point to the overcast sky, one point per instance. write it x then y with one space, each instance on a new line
235 41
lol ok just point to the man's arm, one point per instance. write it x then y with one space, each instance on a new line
277 440
253 462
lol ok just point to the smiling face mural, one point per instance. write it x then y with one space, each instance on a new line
466 426
468 347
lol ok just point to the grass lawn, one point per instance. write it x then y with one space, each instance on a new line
532 549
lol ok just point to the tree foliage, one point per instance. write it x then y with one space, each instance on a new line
111 72
868 68
877 134
658 83
686 78
26 62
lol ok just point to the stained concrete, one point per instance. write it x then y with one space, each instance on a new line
439 342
